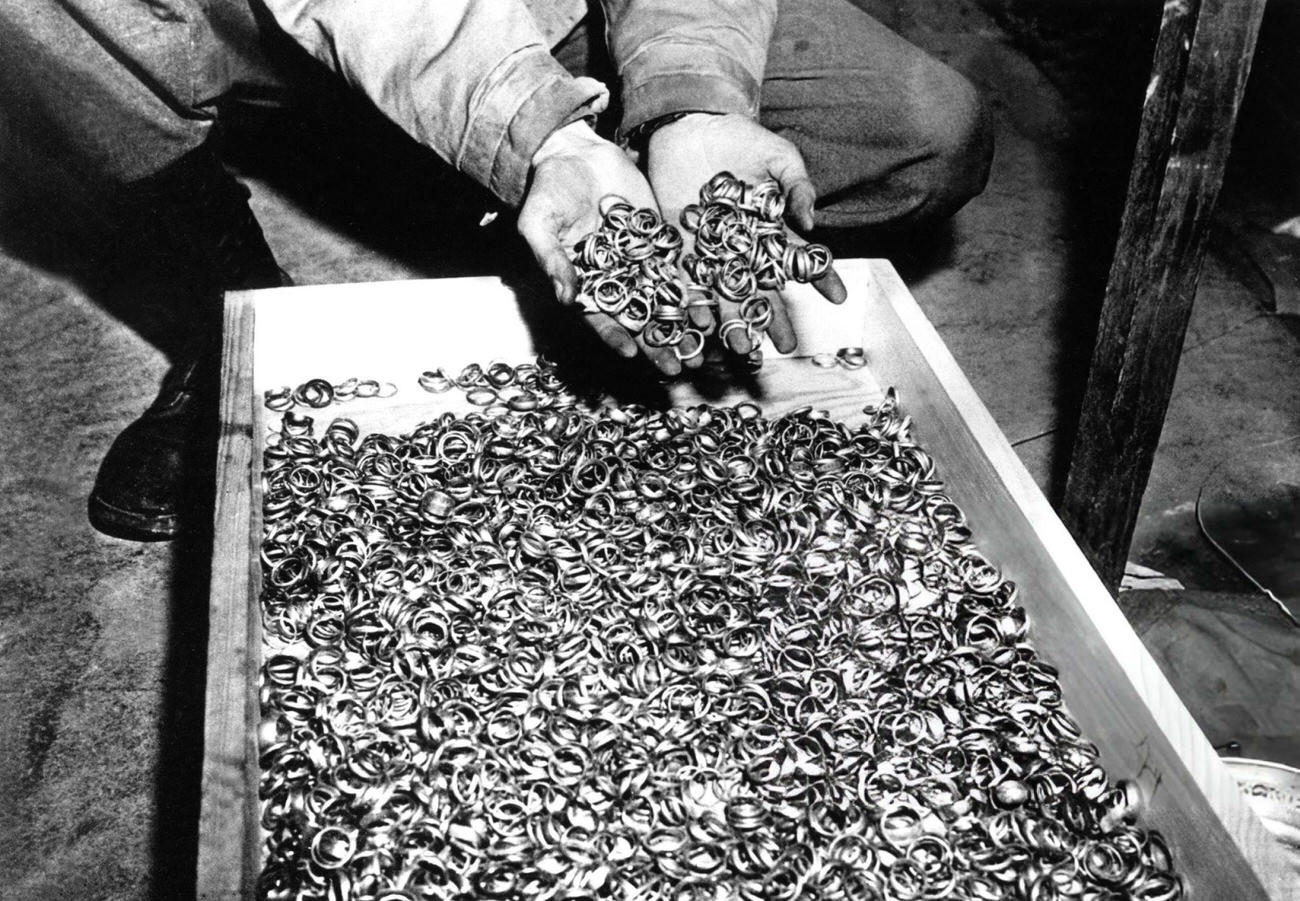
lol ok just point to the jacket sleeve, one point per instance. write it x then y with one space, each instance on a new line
674 56
472 79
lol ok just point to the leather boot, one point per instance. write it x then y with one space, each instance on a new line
150 485
156 480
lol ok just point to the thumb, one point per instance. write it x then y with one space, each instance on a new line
800 194
799 201
550 255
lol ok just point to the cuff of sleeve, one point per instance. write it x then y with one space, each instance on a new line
684 79
519 111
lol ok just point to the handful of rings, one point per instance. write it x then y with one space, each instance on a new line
633 269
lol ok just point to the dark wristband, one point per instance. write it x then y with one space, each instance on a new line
640 134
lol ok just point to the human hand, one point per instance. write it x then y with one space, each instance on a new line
572 171
683 155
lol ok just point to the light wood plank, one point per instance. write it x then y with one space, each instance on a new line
227 801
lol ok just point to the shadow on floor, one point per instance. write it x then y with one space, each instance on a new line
1098 56
343 164
58 222
178 778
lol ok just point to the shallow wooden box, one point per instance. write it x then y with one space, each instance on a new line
393 331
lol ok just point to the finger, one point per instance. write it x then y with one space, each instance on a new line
625 345
692 362
542 236
663 358
780 329
613 334
689 349
701 317
735 338
829 285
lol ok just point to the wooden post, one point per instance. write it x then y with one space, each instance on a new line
1202 59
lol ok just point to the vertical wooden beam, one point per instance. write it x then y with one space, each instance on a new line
1199 73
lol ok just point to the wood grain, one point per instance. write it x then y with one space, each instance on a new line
1202 59
226 849
1111 685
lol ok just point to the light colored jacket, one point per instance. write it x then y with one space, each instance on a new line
475 80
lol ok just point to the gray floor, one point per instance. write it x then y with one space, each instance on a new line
102 641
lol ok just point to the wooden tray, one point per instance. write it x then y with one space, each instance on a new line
393 331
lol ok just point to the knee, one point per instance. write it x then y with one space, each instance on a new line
937 137
956 131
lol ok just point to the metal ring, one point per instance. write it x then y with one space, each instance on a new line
278 399
435 381
690 345
729 326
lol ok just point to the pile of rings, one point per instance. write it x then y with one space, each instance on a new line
628 269
591 652
742 249
632 267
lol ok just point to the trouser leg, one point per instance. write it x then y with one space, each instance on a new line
153 483
889 134
114 91
122 96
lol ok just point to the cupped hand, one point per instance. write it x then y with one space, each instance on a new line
572 171
683 155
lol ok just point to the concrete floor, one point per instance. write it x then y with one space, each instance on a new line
102 642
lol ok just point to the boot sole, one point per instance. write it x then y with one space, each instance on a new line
130 525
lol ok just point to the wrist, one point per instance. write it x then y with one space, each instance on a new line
639 137
567 138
